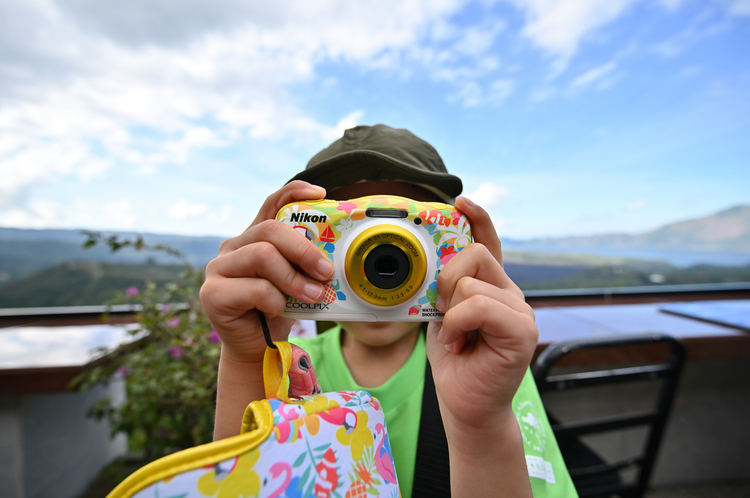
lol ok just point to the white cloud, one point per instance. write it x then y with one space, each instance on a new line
690 70
488 194
39 161
197 137
223 217
593 75
138 82
119 214
671 5
677 44
740 8
636 205
477 40
38 214
559 26
184 210
472 94
689 37
116 214
499 91
544 93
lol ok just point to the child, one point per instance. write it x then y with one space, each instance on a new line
479 354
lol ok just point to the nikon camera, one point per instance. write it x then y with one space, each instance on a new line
387 252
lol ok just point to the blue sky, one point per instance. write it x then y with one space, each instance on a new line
562 117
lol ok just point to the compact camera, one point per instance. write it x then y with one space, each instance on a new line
387 252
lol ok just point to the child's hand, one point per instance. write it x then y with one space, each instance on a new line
479 355
254 271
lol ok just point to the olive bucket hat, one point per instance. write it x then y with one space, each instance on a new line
371 153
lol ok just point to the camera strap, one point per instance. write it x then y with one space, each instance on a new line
266 331
432 476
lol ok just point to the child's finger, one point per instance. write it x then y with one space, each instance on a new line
264 260
508 332
482 228
286 240
475 261
292 191
233 297
466 287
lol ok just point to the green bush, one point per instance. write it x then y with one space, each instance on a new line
169 368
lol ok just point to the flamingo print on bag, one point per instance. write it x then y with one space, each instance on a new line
276 470
302 378
384 455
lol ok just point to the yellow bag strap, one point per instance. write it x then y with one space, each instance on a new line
276 363
257 427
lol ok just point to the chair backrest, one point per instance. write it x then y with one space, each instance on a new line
647 367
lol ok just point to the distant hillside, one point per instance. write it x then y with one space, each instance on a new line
727 230
629 276
23 252
51 267
80 283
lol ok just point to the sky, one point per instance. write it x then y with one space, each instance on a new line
562 117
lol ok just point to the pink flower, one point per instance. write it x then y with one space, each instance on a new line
174 322
346 207
165 308
124 371
213 336
132 291
456 217
175 351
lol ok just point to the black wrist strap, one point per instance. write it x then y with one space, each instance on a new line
432 476
266 331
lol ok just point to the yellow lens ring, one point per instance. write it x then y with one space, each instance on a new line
376 236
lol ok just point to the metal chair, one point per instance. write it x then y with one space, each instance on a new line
621 362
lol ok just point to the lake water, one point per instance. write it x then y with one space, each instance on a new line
674 257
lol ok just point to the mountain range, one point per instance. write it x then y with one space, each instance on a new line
24 251
727 230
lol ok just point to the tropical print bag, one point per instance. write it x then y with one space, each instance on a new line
324 445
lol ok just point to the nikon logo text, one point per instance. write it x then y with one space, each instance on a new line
306 218
305 306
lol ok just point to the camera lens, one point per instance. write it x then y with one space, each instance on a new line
386 266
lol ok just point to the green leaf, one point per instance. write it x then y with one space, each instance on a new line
303 479
310 488
299 460
373 491
322 448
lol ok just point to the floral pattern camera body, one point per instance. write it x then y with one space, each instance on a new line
387 252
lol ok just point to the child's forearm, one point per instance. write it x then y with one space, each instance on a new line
489 461
239 383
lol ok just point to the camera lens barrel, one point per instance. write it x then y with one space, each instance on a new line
385 265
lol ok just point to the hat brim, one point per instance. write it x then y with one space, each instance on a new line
352 167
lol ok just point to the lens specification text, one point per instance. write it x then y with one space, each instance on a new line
393 297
